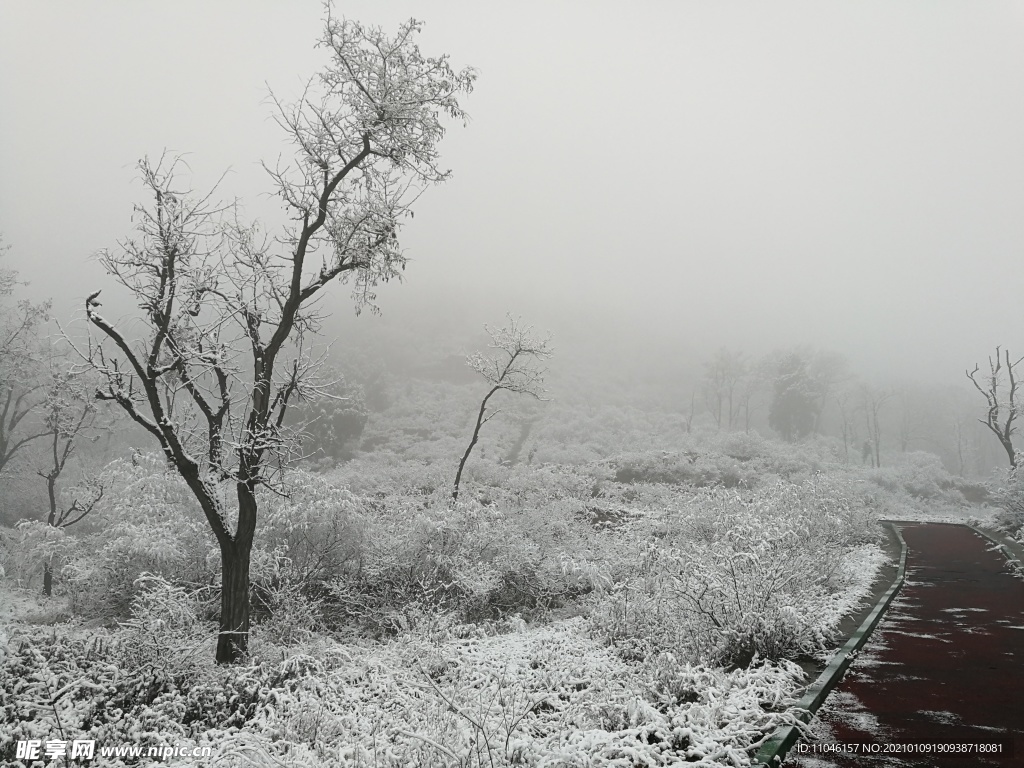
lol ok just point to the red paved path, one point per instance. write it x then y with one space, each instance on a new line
945 664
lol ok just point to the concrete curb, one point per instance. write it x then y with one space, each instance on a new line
773 751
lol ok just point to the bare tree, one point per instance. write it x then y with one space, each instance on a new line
872 401
961 440
21 383
69 415
752 385
229 313
827 370
688 421
847 423
721 387
1002 408
909 419
515 367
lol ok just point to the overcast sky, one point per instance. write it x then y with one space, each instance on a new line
849 175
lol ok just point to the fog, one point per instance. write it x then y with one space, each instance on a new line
669 179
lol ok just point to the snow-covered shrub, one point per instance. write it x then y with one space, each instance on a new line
1009 495
165 636
729 460
34 544
318 526
695 468
549 696
545 697
290 614
383 473
576 429
732 577
147 522
919 474
497 552
790 461
8 547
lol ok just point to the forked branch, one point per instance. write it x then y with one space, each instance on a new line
1000 392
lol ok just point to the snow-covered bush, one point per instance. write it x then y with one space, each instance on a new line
731 577
729 460
147 522
165 636
319 527
1009 495
287 615
697 469
383 473
34 544
919 474
549 697
493 554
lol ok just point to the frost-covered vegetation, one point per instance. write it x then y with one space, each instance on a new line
635 607
1010 497
629 575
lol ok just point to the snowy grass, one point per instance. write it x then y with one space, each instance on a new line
393 629
733 577
548 696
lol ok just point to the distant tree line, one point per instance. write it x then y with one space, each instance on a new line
800 391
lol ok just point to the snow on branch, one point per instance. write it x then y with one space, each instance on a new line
516 366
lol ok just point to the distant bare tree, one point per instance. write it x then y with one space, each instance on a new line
515 367
827 370
228 312
961 440
69 415
872 401
847 421
752 385
794 396
1002 408
721 386
688 421
913 420
21 381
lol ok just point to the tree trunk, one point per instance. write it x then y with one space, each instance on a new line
462 463
959 447
233 640
1010 451
51 520
476 436
234 604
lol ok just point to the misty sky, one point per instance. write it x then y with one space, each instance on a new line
849 175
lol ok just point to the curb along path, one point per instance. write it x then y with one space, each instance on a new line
946 664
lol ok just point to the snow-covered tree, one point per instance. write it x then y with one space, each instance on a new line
228 313
21 383
723 386
794 407
69 415
802 381
515 366
872 400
